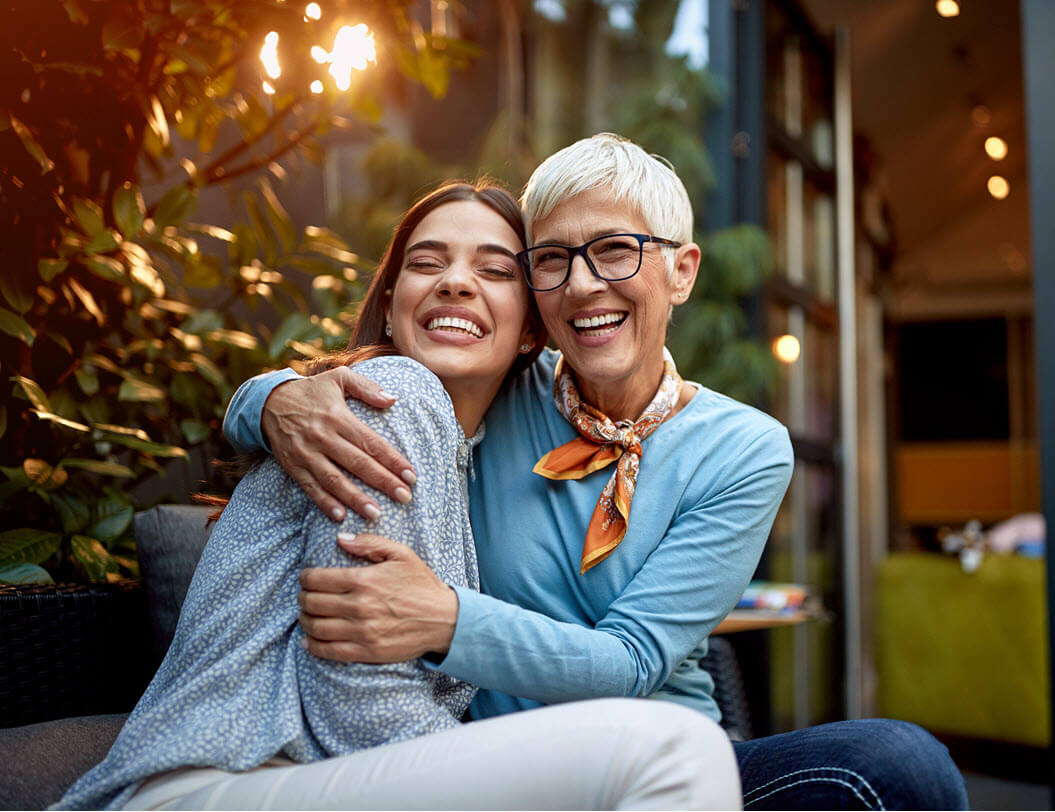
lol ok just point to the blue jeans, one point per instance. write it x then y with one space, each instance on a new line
861 764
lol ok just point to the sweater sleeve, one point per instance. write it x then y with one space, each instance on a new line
691 580
241 424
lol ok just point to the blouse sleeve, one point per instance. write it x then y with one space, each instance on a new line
685 588
241 423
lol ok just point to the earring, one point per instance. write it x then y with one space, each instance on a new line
388 330
525 348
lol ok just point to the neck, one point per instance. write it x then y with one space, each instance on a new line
623 400
471 401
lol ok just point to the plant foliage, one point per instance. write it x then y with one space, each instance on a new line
124 319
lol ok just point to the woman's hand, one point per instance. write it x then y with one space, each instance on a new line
394 610
313 435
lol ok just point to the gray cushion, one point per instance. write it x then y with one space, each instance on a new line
169 540
38 763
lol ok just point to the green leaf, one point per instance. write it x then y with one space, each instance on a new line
28 544
93 557
15 325
122 31
102 243
60 340
203 321
106 268
205 273
261 228
325 236
75 12
104 467
110 518
31 146
293 327
208 370
18 293
60 420
50 268
137 390
176 204
234 338
194 430
22 574
146 447
279 217
73 511
88 216
123 431
129 210
33 392
43 475
87 378
128 563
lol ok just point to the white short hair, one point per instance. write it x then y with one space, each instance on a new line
647 182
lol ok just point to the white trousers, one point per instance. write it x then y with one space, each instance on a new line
598 754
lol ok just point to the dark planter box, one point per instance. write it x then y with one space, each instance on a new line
72 650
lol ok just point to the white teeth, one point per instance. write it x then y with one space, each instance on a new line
598 321
450 322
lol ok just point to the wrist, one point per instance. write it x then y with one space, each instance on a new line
447 617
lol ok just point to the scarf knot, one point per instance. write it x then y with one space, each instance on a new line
601 442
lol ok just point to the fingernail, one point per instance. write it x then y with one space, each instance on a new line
402 495
347 538
304 642
338 514
372 512
409 477
386 395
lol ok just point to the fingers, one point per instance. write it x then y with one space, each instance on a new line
337 580
342 651
374 548
362 388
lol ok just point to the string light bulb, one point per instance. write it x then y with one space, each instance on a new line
996 148
787 349
998 187
947 8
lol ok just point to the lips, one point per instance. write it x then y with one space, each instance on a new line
455 320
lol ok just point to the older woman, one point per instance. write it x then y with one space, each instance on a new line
619 511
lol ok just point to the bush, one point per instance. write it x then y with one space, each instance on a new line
123 321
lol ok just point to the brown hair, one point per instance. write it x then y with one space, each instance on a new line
368 338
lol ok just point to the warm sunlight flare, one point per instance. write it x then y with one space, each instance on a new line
996 148
269 55
316 87
786 349
312 11
947 8
998 187
269 88
353 48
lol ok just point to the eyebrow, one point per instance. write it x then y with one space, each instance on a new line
437 245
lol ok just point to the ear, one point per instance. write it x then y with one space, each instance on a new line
686 266
388 306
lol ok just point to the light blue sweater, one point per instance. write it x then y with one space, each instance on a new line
710 483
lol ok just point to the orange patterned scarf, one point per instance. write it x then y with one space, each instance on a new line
601 443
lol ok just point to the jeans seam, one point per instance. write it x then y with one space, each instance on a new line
878 804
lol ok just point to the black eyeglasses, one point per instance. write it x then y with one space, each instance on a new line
613 257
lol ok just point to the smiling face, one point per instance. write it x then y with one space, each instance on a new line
612 333
459 305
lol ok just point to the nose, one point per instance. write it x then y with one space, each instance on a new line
582 281
457 281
